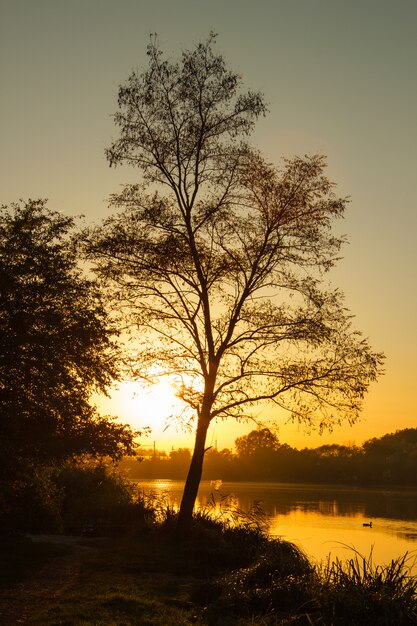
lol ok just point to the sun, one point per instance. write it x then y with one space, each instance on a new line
158 407
154 405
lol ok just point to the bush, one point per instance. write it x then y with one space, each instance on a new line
281 587
97 500
277 581
30 502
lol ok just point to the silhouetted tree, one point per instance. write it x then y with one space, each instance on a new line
179 462
55 350
391 458
261 439
219 464
219 256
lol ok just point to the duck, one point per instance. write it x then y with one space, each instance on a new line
369 524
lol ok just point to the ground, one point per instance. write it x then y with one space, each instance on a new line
23 601
91 581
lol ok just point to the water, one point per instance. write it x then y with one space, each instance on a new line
322 520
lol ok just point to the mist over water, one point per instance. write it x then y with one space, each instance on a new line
322 520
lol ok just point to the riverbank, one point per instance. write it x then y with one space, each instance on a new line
219 576
320 519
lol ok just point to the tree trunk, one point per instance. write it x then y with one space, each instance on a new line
193 479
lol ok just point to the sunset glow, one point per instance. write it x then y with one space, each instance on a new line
142 405
365 62
159 408
208 340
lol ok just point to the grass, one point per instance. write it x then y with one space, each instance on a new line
122 583
227 573
21 558
360 592
354 592
151 580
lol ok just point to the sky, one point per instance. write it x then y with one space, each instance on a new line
339 78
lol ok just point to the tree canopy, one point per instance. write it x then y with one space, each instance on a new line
261 440
219 257
56 346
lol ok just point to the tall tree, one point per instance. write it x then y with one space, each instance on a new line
56 348
219 257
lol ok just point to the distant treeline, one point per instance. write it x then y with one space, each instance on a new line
389 460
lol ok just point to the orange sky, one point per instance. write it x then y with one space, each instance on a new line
153 409
340 80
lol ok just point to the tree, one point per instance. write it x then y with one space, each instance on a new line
219 257
56 348
256 441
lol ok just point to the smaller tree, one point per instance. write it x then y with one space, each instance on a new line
258 454
260 440
56 349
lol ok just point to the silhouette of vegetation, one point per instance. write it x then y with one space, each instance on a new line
56 349
281 587
147 576
218 257
390 461
97 500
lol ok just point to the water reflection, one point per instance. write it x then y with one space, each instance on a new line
281 499
321 519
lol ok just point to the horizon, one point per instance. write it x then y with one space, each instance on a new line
349 444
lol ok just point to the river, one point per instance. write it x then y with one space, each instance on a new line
322 520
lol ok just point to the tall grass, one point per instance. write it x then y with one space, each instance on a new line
224 509
281 587
357 591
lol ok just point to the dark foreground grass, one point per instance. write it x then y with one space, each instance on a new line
117 581
359 592
21 558
221 576
123 582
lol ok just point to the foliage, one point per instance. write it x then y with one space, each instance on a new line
56 349
219 256
260 440
244 578
281 587
225 544
277 582
97 500
30 499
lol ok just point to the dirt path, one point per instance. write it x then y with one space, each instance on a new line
22 602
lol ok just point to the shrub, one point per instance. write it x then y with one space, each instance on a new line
278 581
32 502
282 587
99 501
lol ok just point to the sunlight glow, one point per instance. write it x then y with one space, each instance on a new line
148 405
